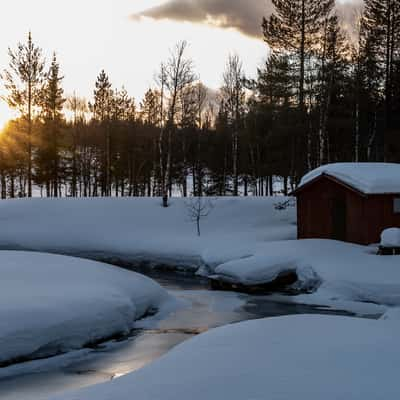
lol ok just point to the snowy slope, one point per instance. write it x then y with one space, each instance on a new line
301 357
51 304
140 229
368 178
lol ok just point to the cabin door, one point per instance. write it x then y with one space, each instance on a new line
339 219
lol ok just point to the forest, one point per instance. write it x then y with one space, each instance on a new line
324 95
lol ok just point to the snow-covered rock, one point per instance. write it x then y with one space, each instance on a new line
390 237
368 178
51 304
297 357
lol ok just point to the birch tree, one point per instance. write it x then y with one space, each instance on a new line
176 76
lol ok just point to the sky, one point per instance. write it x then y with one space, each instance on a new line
130 38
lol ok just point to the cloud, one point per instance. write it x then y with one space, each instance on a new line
242 15
245 16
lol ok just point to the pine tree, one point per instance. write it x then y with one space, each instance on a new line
23 82
382 25
102 113
78 108
52 103
294 27
149 108
274 122
369 100
333 74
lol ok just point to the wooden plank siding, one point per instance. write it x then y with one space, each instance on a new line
365 216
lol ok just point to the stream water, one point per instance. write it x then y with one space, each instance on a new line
204 309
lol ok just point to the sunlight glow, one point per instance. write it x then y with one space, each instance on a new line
102 35
5 115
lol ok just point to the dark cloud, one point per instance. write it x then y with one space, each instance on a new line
243 15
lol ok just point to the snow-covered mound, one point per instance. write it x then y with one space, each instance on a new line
139 229
51 304
262 269
340 271
390 237
301 357
368 178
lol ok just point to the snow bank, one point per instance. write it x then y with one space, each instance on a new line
301 357
139 229
340 271
390 237
51 304
368 178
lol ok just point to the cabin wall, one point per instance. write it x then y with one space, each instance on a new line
366 216
315 212
379 214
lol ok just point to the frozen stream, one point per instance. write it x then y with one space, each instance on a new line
202 309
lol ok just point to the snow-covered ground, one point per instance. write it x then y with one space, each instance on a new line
301 357
244 240
51 304
141 230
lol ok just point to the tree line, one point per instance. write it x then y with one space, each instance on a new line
322 96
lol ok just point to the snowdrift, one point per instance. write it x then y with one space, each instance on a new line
300 357
52 304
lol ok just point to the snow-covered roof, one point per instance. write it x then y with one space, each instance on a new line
368 178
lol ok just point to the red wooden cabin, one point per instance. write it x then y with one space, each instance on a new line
352 202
